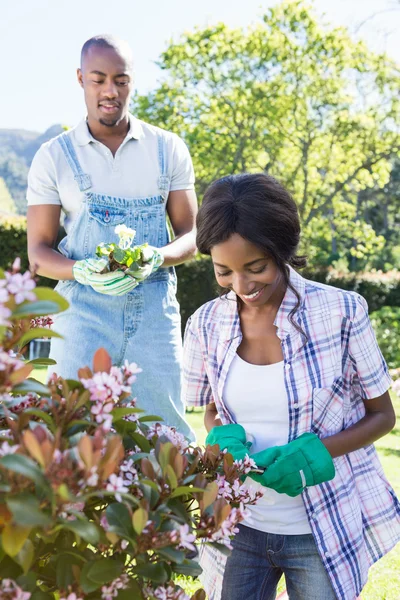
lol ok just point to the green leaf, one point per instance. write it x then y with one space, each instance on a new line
25 556
27 582
139 519
31 385
119 519
39 595
189 568
24 466
13 538
26 511
41 308
48 419
64 574
119 413
150 418
47 293
132 593
84 529
104 570
184 490
172 554
36 333
41 362
154 571
87 585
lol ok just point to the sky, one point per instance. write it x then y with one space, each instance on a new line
40 42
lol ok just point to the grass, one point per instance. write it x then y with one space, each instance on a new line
384 580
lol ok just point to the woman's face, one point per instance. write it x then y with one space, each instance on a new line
242 267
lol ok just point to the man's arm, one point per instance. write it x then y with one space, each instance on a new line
182 211
43 224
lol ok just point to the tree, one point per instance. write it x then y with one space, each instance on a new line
295 98
7 205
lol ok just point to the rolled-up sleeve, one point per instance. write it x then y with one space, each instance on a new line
365 354
42 181
196 387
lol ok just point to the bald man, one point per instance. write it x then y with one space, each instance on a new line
114 169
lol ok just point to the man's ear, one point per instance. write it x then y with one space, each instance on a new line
79 76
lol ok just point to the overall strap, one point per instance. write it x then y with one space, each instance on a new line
83 180
164 179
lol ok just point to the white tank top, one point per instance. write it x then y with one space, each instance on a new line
255 396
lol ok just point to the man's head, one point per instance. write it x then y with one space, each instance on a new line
106 76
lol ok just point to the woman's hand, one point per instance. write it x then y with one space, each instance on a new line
294 466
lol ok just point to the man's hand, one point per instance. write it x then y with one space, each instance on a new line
112 283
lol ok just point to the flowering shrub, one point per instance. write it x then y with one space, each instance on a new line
98 499
123 255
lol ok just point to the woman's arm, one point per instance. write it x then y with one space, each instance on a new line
211 418
379 419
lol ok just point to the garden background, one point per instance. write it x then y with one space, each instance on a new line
315 108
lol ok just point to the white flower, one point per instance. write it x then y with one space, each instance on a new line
126 236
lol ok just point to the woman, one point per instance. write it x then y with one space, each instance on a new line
293 366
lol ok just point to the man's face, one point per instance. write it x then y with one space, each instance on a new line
106 78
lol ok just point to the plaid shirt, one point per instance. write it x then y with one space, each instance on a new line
329 369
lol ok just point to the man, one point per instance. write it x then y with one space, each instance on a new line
113 169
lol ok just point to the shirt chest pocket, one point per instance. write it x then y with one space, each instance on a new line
329 408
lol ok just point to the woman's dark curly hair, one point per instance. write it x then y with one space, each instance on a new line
261 211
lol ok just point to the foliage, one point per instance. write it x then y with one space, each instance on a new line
379 289
386 322
196 285
298 99
13 242
6 202
98 499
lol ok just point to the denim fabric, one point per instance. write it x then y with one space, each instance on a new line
259 560
144 326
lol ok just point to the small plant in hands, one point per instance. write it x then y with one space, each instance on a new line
98 499
124 256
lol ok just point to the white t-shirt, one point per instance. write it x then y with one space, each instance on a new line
132 173
255 396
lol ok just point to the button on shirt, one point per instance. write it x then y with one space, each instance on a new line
335 363
132 173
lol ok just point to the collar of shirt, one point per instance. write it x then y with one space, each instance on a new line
285 326
84 137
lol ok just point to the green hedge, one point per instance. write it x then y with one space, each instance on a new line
196 282
386 323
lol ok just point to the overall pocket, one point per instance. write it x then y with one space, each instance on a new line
101 225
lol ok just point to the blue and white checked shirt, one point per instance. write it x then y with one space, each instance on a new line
355 518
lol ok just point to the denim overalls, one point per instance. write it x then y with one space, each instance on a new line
143 326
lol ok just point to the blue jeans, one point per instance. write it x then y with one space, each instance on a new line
259 559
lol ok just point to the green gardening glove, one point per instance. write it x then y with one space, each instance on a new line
290 468
231 437
152 259
112 283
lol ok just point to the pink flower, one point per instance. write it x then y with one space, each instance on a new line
116 484
10 590
4 295
186 537
169 432
21 286
71 596
111 591
5 313
102 414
